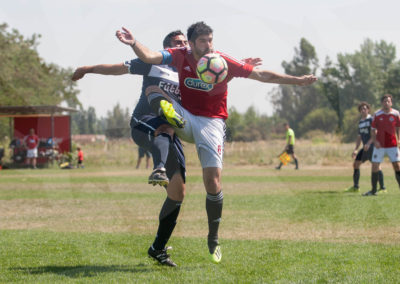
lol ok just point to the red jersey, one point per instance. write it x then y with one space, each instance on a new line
199 97
80 155
385 124
31 141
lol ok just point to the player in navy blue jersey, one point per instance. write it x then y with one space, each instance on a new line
153 133
365 154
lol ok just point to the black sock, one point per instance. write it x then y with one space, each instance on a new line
381 184
374 180
398 178
214 212
280 165
168 215
160 149
356 177
296 163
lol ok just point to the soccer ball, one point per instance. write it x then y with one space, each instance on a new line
212 68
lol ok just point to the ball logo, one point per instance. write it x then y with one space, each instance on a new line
391 119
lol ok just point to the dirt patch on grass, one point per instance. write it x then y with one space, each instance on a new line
141 217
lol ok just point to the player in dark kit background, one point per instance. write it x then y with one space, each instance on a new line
365 154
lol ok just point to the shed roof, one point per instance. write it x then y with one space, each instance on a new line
18 111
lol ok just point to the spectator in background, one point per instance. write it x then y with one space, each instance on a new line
141 153
31 143
80 158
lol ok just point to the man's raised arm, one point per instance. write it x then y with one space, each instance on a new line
104 69
145 54
272 77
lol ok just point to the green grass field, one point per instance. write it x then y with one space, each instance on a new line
95 225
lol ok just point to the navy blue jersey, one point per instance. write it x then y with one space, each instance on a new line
364 129
163 76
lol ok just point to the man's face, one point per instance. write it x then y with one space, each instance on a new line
179 41
387 104
202 45
364 111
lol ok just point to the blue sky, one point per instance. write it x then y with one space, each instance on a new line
76 33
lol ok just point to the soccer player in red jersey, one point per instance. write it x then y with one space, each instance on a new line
204 108
31 143
385 133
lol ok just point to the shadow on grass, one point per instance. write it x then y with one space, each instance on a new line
79 271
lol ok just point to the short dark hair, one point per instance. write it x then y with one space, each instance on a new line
198 29
361 104
167 40
286 124
387 96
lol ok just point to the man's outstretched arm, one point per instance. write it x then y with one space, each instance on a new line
144 53
266 76
104 69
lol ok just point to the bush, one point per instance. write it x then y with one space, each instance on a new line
323 119
350 125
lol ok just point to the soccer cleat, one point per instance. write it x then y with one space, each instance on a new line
217 255
159 176
161 256
370 193
352 189
382 190
277 168
171 115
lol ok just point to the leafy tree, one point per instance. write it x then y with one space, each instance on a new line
293 103
25 79
117 122
350 124
234 124
323 119
364 75
86 122
250 126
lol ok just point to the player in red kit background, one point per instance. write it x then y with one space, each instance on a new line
204 108
385 130
31 143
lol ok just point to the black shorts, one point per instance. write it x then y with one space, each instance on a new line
365 156
290 149
142 131
143 152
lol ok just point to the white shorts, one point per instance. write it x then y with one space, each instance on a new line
207 133
31 153
392 152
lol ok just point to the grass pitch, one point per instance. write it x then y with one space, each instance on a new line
95 225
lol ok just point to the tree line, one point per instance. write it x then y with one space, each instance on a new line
328 106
